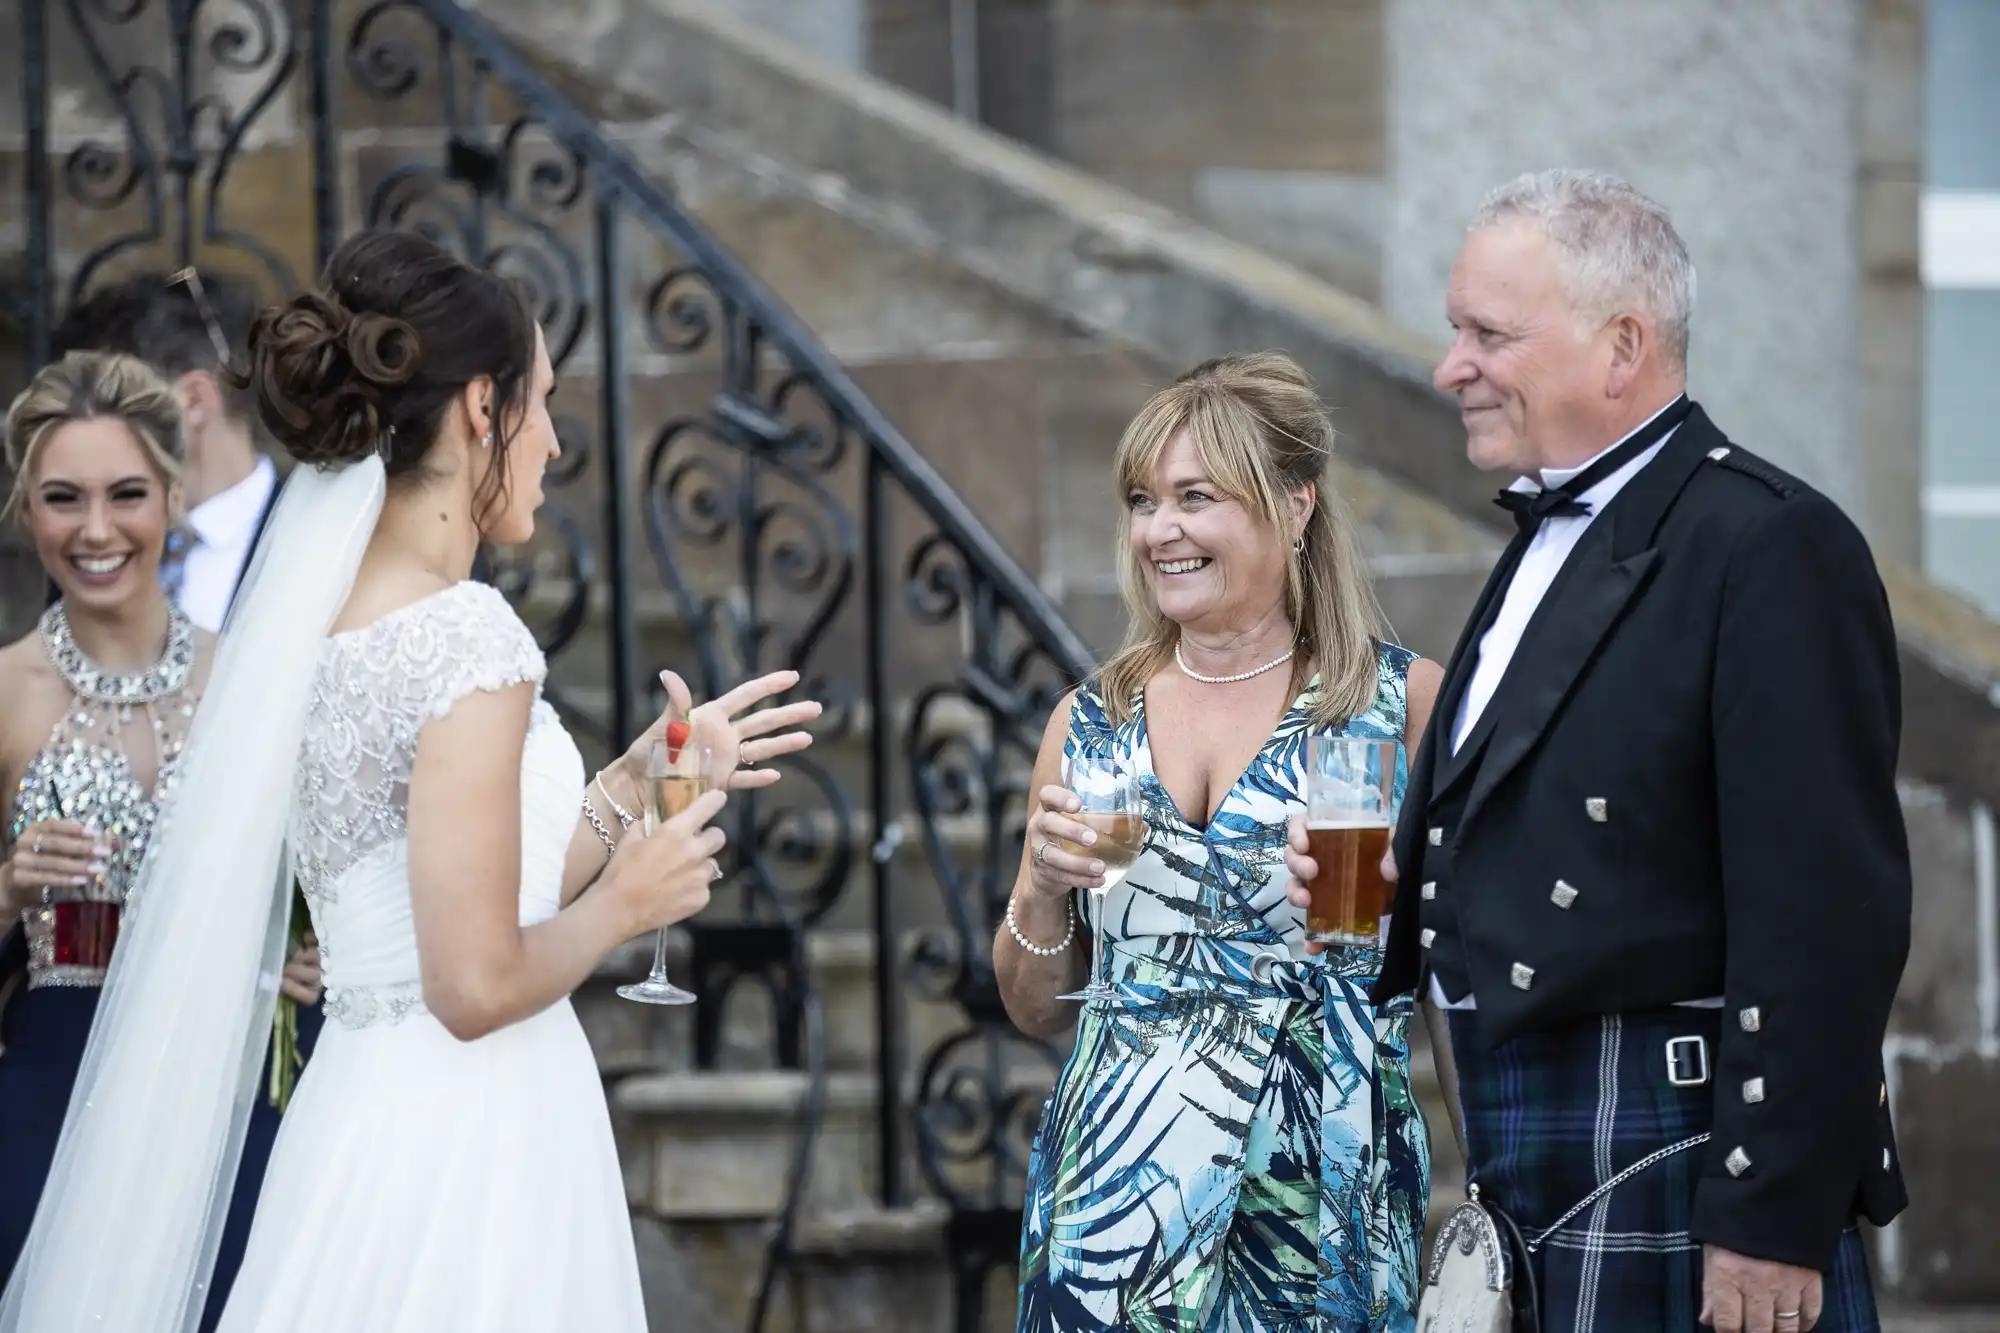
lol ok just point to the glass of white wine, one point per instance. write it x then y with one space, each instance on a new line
675 778
1109 790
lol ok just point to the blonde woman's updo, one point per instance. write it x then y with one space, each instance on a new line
84 386
1262 434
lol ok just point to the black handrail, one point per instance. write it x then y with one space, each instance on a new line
789 335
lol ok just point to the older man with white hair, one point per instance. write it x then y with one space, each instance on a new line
1653 864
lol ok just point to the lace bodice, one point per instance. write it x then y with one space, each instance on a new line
375 690
377 687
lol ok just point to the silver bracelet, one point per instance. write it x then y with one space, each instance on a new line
1037 949
603 833
626 819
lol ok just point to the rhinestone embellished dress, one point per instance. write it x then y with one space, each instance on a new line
111 760
112 763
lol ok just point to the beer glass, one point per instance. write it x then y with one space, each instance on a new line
1350 809
676 777
1109 791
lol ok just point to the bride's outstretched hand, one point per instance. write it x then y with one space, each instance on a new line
743 742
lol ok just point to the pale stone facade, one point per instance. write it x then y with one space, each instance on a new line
1748 122
1353 138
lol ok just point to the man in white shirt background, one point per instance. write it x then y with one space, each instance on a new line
229 485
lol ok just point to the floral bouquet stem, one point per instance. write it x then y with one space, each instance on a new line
286 1061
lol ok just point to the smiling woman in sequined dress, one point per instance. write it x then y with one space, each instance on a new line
99 701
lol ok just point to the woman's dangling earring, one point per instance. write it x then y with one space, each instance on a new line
1299 547
486 440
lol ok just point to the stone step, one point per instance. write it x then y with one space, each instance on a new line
855 1268
718 1146
639 1038
709 1145
882 1269
868 1230
707 1159
1963 1319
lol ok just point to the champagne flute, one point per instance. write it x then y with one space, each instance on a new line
676 777
1109 790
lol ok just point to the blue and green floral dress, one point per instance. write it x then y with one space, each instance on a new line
1236 1148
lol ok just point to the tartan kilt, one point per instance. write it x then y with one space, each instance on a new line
1551 1115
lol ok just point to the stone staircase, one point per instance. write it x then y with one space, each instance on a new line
1009 316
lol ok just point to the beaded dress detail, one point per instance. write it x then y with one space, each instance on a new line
423 1181
375 690
111 762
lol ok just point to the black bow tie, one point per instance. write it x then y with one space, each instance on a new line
1529 508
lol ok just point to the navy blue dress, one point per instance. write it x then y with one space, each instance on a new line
43 1031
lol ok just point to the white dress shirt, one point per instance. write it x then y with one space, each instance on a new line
224 526
1547 551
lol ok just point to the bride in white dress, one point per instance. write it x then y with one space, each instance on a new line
447 1161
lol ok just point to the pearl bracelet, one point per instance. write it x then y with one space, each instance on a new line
626 819
1037 949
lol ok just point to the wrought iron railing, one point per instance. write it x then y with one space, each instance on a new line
789 522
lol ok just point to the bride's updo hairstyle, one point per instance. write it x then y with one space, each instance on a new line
372 359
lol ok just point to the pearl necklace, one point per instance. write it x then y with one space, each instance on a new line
1192 674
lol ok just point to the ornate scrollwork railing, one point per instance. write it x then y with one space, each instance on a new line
789 523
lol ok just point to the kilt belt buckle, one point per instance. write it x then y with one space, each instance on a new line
1687 1061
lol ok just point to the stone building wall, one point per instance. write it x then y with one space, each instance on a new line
1353 137
1782 136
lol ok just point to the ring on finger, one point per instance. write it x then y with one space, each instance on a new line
714 869
1042 851
35 847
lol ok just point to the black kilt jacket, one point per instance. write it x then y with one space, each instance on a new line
1684 787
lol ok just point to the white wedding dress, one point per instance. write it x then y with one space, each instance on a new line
421 1184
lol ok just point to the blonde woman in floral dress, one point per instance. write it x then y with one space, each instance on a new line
1234 1145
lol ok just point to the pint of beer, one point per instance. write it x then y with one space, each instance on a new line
1350 808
